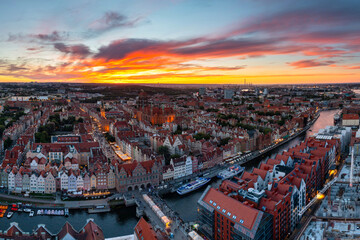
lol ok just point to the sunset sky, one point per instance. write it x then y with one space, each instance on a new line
173 41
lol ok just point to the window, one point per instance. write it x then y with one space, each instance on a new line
224 211
241 221
234 217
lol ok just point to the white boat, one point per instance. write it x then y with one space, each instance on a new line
9 215
230 172
66 212
192 186
31 214
27 210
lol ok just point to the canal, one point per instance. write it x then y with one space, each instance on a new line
123 220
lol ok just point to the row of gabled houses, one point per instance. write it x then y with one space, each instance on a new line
122 177
51 180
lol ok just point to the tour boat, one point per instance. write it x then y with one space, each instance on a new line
192 186
230 172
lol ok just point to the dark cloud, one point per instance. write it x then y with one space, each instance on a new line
195 47
310 63
78 50
111 20
233 47
55 36
119 49
304 19
14 68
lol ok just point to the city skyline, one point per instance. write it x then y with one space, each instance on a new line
180 42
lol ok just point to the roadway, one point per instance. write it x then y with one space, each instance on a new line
178 227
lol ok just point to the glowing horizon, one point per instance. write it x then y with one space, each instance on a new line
180 42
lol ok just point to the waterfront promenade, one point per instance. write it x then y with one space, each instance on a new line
58 202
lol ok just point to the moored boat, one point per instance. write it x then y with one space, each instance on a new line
230 172
9 215
192 186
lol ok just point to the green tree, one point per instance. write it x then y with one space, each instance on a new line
224 141
175 156
2 129
164 150
200 136
7 143
44 137
178 130
109 137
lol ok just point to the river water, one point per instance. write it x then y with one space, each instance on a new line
123 220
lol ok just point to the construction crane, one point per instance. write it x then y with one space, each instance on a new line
352 167
318 196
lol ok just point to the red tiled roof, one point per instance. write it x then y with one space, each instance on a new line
240 210
92 232
249 176
350 116
262 173
143 230
271 161
67 229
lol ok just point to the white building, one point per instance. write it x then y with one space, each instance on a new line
64 181
11 181
33 182
173 143
179 167
79 182
188 166
40 184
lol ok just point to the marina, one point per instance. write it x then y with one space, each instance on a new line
31 211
